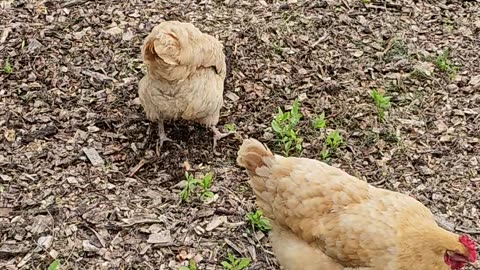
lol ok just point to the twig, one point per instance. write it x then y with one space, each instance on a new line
141 221
97 235
136 168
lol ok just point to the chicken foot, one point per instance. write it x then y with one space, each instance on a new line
217 135
162 137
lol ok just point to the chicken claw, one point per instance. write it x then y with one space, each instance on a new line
217 135
162 137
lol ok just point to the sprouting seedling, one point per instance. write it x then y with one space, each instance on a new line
381 102
319 122
325 155
188 188
444 64
205 184
284 125
7 68
54 265
233 263
230 127
334 140
191 184
258 221
191 266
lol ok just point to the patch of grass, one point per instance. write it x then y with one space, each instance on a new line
443 63
365 1
284 125
54 265
191 266
319 122
258 221
381 102
233 263
192 184
7 68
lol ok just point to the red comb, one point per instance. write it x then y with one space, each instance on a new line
470 245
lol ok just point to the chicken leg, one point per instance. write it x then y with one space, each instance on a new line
217 135
162 137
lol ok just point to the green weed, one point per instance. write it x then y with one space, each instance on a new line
231 127
284 125
444 64
7 68
54 265
319 122
258 221
192 184
233 263
334 140
381 102
325 155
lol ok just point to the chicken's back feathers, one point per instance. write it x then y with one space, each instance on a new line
349 220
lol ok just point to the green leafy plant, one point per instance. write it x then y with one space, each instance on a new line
231 127
325 155
192 184
189 187
191 266
205 183
233 263
381 102
334 140
444 64
284 125
54 265
7 68
319 122
258 221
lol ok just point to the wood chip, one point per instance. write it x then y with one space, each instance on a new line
162 237
215 222
93 156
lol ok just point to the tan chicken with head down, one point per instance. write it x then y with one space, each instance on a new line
325 219
186 73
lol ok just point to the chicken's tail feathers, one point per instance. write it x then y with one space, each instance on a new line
252 154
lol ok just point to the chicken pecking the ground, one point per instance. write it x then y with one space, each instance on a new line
325 219
185 77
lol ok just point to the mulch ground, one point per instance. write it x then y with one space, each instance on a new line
69 74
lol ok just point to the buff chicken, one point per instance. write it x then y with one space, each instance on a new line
185 77
325 219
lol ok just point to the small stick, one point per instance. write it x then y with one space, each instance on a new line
136 168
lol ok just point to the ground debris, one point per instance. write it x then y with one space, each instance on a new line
69 100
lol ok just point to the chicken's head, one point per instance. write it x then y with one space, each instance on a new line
457 259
